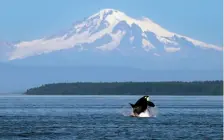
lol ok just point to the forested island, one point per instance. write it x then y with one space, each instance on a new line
130 88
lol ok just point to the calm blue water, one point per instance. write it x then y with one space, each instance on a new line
105 117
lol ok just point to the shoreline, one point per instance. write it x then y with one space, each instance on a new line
195 88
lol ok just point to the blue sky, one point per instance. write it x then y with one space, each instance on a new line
26 19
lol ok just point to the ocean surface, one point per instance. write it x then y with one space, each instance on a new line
107 117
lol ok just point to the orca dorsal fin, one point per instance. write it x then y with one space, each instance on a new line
132 105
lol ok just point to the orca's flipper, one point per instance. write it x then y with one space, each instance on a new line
151 104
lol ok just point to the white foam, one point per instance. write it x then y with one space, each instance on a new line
149 112
145 114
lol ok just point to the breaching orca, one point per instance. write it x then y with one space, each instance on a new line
141 105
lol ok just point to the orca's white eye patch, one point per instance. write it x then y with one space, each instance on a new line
147 98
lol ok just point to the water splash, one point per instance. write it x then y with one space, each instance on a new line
126 111
150 112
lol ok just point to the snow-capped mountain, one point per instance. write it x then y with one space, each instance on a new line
108 46
111 30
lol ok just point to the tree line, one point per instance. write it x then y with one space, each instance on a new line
130 88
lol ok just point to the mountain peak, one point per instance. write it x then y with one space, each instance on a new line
113 17
109 10
111 29
109 15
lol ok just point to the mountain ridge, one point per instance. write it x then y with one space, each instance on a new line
110 30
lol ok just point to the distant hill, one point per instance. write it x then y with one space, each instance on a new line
130 88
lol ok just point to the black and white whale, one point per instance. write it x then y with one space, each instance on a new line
140 108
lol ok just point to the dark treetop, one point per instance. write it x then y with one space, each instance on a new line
130 88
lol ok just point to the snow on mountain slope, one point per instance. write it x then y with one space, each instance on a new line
116 27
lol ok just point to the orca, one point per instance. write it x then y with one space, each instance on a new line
141 105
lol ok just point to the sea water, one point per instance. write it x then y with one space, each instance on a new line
108 117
